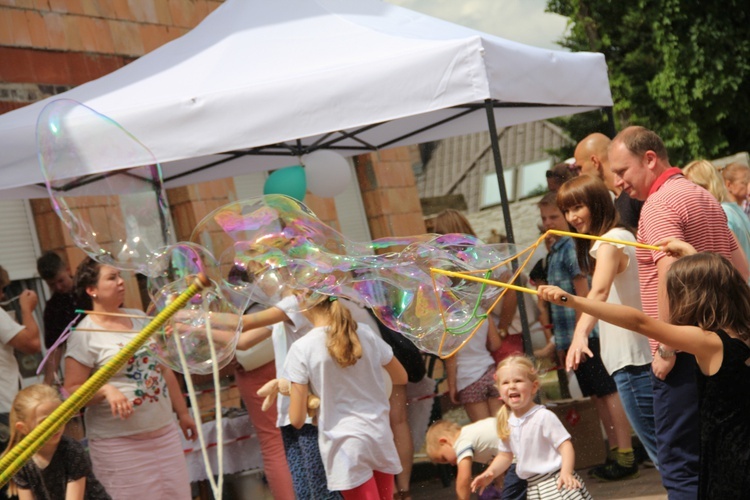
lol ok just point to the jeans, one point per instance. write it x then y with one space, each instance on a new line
637 395
678 429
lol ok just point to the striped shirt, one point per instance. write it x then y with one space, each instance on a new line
683 210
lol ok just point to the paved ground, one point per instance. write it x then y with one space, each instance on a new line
647 486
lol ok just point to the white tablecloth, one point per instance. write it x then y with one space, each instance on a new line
241 448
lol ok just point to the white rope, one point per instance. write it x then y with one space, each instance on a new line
197 415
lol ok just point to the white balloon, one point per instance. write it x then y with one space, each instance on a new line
327 172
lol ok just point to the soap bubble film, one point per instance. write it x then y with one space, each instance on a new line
119 218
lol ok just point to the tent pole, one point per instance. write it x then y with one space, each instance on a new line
489 107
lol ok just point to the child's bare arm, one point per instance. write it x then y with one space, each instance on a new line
499 465
263 318
463 479
567 479
252 337
75 490
396 371
690 339
298 405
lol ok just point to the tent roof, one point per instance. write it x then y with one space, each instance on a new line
258 82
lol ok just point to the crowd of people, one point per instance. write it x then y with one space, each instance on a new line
656 338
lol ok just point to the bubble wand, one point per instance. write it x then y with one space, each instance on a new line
17 457
508 286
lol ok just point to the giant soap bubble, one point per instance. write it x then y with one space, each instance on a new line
280 245
206 318
118 217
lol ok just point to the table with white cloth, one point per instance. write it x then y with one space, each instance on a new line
241 447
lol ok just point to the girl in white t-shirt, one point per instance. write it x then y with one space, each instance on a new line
544 454
341 361
587 205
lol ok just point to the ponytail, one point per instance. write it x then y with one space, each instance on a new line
503 429
343 343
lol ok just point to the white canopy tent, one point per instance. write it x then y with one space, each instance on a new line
259 83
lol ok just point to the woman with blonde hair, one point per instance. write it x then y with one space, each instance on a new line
703 173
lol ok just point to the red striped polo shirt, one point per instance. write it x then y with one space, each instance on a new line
683 210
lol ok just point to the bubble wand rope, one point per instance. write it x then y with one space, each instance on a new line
16 457
528 250
600 238
508 286
217 488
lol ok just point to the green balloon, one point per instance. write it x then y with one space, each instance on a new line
290 181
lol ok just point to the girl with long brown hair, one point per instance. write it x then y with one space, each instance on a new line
343 362
709 303
588 207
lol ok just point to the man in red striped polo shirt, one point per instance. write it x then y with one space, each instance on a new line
674 207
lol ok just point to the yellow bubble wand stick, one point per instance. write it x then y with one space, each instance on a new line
17 457
509 286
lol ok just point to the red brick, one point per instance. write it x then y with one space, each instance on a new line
163 14
100 65
58 5
37 29
126 38
182 12
6 36
16 65
153 36
41 5
19 27
394 154
144 11
6 106
73 39
78 69
92 8
51 67
103 37
74 6
24 4
122 10
55 30
88 34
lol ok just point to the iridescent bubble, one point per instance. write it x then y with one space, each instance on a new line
281 247
119 217
207 314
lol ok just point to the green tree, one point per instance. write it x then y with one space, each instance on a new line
679 68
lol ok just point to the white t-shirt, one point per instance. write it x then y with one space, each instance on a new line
354 433
534 440
473 359
283 335
621 347
9 374
140 380
477 441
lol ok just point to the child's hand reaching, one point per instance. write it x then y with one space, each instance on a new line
481 482
568 481
674 247
118 403
555 295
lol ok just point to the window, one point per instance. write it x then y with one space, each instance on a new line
491 190
533 180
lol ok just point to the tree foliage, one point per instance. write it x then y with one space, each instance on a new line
679 68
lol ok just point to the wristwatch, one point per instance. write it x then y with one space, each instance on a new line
664 353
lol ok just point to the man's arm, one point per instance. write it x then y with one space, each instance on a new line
27 340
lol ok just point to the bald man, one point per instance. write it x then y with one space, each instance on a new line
592 158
